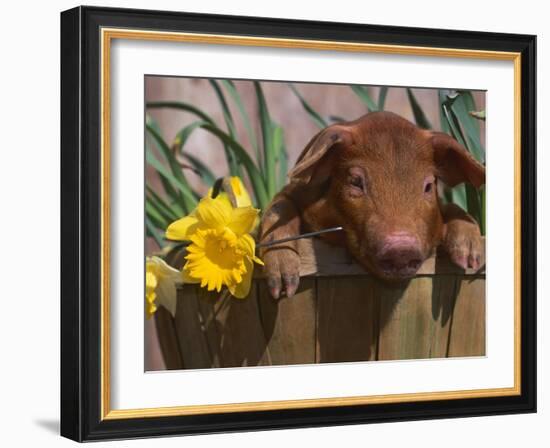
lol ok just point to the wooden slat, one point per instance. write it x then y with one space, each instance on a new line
336 321
347 319
467 336
415 325
208 305
190 330
233 330
321 259
168 339
289 324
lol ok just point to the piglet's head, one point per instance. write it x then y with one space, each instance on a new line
377 177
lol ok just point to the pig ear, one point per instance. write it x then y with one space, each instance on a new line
317 150
454 163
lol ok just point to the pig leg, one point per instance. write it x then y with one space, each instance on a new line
282 261
461 237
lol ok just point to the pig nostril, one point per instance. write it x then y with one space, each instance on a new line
387 264
395 264
400 262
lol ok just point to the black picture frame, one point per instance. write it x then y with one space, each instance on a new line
81 213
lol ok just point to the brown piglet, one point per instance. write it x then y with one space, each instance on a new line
377 177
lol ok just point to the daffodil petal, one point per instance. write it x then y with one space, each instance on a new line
216 258
150 297
182 229
238 193
160 285
151 281
150 309
151 267
241 195
222 195
242 289
214 213
198 241
161 268
187 278
243 220
167 296
248 245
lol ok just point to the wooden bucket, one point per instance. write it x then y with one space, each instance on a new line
339 314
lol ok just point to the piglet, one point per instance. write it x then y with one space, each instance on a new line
376 177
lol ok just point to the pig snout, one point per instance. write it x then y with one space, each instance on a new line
399 255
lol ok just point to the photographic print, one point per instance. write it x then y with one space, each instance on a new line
300 223
277 224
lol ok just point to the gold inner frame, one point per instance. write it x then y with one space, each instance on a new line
107 35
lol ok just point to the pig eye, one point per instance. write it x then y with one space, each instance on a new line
357 182
429 185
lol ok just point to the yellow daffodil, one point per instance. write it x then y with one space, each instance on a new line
160 285
221 253
150 294
242 198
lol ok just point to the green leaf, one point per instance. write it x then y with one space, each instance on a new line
174 195
474 202
161 208
188 195
153 123
152 213
461 105
184 133
225 108
180 106
233 164
280 155
176 170
382 97
364 96
313 114
153 232
202 170
453 123
336 119
232 145
479 114
277 139
231 89
179 142
418 113
458 196
160 205
283 167
442 117
254 174
267 137
455 117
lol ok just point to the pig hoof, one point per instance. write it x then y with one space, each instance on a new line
282 271
464 245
